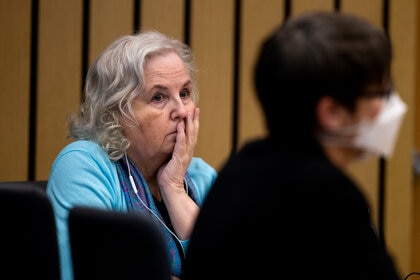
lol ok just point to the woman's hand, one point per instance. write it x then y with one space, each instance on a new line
181 208
172 173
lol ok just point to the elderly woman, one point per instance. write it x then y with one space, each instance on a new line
134 138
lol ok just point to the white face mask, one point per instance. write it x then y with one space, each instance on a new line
374 137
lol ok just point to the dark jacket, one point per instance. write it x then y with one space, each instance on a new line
276 212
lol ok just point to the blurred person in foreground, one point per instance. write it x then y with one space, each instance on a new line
134 139
283 207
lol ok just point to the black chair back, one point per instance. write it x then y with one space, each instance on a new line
28 240
116 245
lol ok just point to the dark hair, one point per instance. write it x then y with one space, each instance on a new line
314 55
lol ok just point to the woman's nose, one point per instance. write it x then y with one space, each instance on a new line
179 110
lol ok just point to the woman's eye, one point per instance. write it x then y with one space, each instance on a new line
157 97
184 93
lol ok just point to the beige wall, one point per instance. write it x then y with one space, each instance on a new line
41 84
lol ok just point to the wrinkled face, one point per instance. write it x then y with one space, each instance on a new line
165 102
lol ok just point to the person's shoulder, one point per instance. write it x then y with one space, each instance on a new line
84 146
83 157
83 151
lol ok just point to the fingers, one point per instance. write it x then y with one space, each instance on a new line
187 135
192 126
173 172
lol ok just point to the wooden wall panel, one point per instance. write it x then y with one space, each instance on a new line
415 261
212 38
212 27
399 184
166 16
302 6
258 19
15 27
59 79
371 10
109 20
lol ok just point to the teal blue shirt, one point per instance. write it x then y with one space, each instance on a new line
82 174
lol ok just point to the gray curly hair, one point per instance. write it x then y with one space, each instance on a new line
114 80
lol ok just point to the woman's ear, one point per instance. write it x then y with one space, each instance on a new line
330 114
